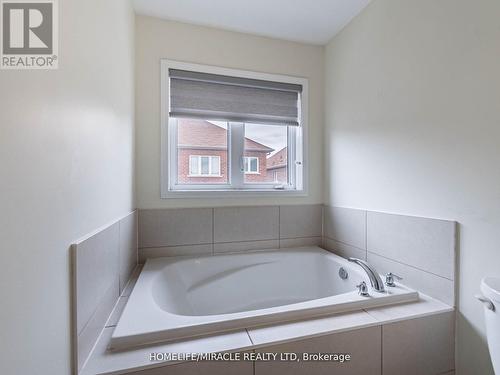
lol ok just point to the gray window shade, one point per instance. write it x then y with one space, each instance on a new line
218 97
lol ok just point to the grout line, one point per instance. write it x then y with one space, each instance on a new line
100 229
213 230
187 244
322 221
279 227
366 235
381 348
299 238
136 231
217 243
345 243
268 239
120 257
249 337
409 265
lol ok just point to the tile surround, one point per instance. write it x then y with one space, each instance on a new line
432 338
427 244
426 306
281 333
299 242
177 226
234 229
172 251
232 247
420 250
128 247
301 221
105 362
438 287
235 224
101 263
364 346
343 249
345 225
348 232
96 260
199 368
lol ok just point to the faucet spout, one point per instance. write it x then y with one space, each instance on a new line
375 280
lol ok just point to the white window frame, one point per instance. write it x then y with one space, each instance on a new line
210 174
297 151
249 171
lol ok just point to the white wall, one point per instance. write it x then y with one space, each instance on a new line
156 39
66 168
413 127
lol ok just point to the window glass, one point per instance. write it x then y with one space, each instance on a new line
215 166
266 150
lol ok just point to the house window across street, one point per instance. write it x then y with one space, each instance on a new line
251 164
204 165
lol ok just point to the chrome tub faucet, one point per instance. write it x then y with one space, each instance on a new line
373 275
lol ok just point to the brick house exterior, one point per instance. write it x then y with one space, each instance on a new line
198 138
277 166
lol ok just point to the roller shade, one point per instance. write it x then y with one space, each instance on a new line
218 97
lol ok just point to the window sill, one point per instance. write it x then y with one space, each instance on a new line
204 175
221 193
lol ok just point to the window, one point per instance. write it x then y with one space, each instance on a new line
204 166
231 132
251 164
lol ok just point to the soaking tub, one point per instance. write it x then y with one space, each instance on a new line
179 297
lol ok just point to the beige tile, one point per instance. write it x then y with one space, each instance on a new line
428 244
90 332
235 224
96 272
117 312
202 368
300 221
173 227
364 346
299 242
419 346
282 333
424 307
346 225
169 251
430 284
234 247
342 249
103 361
128 247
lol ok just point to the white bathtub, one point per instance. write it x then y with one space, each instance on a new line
184 297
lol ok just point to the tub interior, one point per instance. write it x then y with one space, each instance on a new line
224 285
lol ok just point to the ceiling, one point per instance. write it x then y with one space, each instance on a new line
308 21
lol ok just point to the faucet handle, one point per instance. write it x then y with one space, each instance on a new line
362 289
389 279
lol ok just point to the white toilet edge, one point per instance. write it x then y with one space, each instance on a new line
490 287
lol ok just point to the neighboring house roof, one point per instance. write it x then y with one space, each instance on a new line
278 160
203 134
